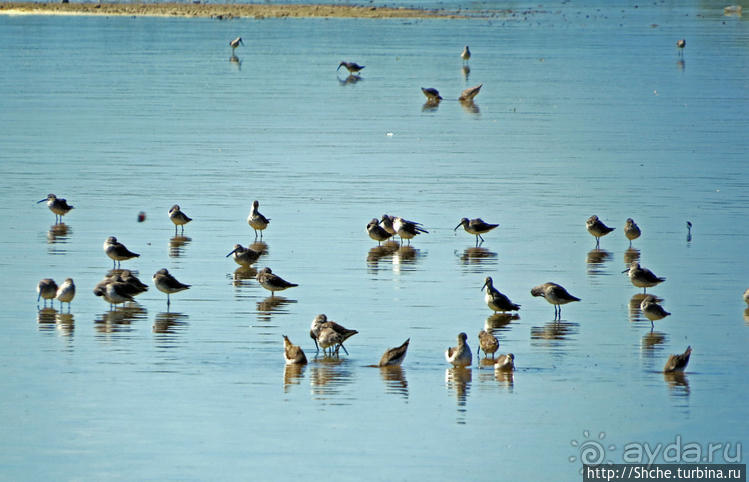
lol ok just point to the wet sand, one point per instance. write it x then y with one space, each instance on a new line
218 11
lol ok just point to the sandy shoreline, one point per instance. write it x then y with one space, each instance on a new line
218 11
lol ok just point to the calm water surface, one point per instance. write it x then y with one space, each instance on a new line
583 111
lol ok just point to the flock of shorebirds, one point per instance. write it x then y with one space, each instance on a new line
121 286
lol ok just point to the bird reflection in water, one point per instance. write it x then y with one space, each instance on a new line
470 106
59 233
678 383
746 316
120 319
350 80
430 106
270 305
500 321
328 375
631 254
681 65
652 341
596 259
244 276
236 61
292 375
405 257
478 256
466 72
557 330
169 323
65 323
177 245
260 247
46 319
458 380
377 253
395 380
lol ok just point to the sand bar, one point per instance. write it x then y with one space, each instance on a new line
217 11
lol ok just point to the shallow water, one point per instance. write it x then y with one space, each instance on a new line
583 111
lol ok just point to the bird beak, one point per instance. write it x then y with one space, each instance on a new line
339 66
482 288
456 227
626 270
41 200
232 252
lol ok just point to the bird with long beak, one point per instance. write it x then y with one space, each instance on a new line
476 227
244 256
554 294
57 205
235 43
352 67
642 277
496 300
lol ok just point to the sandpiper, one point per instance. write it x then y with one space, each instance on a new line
235 43
257 221
652 310
117 251
57 205
476 227
642 277
505 363
293 354
407 229
394 356
178 218
460 356
315 327
433 96
352 67
496 300
136 285
466 54
272 282
66 292
631 230
681 43
114 291
468 94
387 224
597 228
677 363
47 289
244 256
554 294
377 232
318 332
166 283
488 343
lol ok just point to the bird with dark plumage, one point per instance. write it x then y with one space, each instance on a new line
476 227
678 362
496 300
59 206
235 43
166 283
272 282
642 277
352 67
178 218
597 228
433 95
554 294
394 356
117 251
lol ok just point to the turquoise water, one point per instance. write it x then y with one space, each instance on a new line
583 111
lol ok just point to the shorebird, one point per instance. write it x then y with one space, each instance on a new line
677 363
387 224
505 363
235 43
136 286
496 300
476 227
114 291
293 354
597 228
329 334
166 283
352 67
244 256
681 43
178 218
257 221
57 205
468 94
459 356
554 294
746 296
117 251
652 310
642 277
47 289
631 230
407 229
394 356
272 282
433 96
66 292
466 54
377 232
488 343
